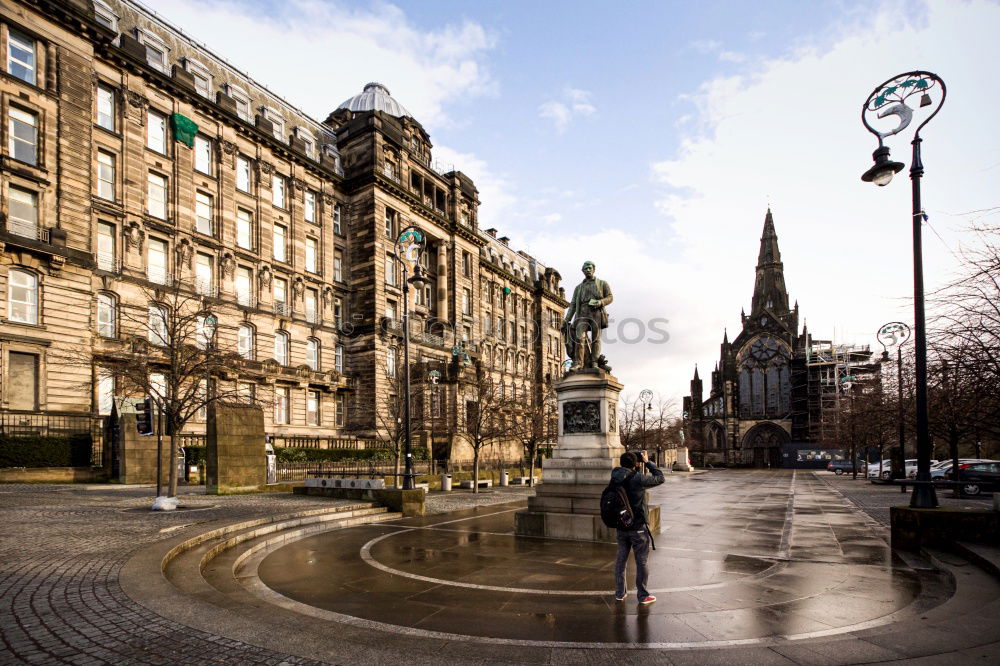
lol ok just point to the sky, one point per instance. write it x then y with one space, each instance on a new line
651 137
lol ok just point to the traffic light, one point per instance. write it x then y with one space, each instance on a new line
144 417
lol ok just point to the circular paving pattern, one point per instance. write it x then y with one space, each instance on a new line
740 563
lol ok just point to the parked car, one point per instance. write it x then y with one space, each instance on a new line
839 467
909 469
978 476
942 471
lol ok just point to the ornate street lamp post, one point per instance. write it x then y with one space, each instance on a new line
896 334
409 248
889 99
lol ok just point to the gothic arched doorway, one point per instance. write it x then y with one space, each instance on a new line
763 443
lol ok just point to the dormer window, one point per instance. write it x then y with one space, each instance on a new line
308 140
157 51
242 100
104 15
277 120
202 77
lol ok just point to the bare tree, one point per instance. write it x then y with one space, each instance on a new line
630 422
490 414
536 423
390 411
167 348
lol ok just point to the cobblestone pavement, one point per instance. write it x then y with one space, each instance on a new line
61 548
875 499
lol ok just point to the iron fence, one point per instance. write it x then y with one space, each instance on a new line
55 424
298 471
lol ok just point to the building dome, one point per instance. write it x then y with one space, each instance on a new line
375 97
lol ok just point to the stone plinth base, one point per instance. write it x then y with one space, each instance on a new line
408 502
683 462
578 526
912 529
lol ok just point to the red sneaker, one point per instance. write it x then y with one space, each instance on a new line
648 600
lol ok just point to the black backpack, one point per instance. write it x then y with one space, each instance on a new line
616 511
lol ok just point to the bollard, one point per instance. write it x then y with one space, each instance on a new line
446 482
503 479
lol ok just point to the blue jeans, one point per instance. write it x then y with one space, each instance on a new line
638 542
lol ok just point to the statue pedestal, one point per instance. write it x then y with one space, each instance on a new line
683 462
567 502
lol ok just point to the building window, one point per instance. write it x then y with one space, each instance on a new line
281 296
244 229
156 131
244 286
244 341
105 175
312 354
280 234
338 312
22 381
311 251
310 146
281 347
21 56
336 219
312 306
243 174
338 359
340 410
156 199
156 50
203 213
23 134
466 264
104 15
281 397
156 261
310 207
312 408
22 212
203 273
242 101
105 391
202 77
390 270
390 311
106 246
338 266
157 386
107 321
106 111
390 362
203 154
22 296
390 223
278 190
277 121
157 325
466 301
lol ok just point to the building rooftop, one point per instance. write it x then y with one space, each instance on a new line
375 97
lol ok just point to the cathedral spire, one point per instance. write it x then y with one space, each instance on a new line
769 291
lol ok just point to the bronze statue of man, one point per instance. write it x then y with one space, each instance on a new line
585 319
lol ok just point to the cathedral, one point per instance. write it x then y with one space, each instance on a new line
776 394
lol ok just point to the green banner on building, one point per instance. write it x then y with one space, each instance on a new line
184 129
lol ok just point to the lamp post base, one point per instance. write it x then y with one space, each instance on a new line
924 497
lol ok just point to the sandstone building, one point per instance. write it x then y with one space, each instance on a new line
136 159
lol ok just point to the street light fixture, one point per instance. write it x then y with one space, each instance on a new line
889 99
896 334
645 396
409 249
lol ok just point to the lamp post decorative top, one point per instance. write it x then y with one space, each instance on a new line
889 99
894 334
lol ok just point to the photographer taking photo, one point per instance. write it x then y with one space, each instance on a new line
636 538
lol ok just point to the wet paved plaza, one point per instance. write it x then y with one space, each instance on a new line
743 559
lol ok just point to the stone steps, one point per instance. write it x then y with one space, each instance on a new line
207 566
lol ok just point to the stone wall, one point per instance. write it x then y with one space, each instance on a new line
138 454
234 449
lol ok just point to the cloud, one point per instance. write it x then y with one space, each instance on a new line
572 103
706 45
732 56
552 218
427 70
496 190
787 130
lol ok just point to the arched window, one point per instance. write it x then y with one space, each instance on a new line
107 316
245 341
281 347
22 296
312 354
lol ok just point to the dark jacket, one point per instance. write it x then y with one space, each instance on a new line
635 488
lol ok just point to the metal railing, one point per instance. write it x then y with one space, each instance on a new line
15 423
246 299
27 230
282 309
312 316
107 261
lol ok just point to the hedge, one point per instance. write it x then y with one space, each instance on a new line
195 455
39 451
